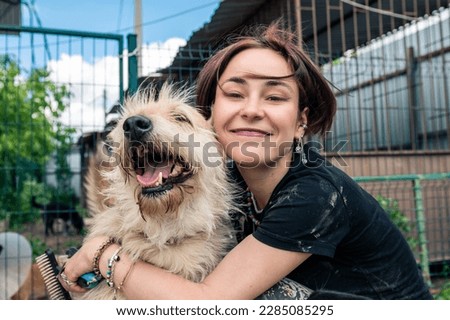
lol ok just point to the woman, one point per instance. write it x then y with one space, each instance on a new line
310 222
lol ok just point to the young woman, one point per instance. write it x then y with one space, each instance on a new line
308 222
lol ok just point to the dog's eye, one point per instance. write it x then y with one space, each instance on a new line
182 118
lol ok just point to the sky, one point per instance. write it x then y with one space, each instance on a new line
161 19
167 25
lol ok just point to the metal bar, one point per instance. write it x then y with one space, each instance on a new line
289 14
421 232
391 4
316 40
433 54
368 24
404 177
373 103
328 34
419 107
132 64
411 73
431 124
120 51
392 153
395 74
444 80
386 124
344 49
356 14
298 22
63 32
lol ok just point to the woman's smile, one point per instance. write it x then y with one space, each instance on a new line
250 132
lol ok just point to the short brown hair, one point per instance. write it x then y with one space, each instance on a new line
315 91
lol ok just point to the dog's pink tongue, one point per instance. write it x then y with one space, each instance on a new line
151 175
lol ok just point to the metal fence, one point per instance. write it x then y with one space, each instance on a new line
391 130
421 203
394 92
56 87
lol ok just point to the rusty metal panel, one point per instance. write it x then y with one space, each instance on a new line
10 14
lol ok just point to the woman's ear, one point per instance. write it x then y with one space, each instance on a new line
304 115
302 123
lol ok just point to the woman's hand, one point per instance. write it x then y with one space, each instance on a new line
80 263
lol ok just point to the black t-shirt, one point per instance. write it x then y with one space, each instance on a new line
316 208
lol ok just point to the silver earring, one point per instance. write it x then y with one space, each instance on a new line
299 150
299 147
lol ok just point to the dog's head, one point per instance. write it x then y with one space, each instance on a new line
167 150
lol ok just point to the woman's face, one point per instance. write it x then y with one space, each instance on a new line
256 115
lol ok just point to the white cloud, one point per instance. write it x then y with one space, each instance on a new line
159 55
95 84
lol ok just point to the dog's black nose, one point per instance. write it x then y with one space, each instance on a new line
136 127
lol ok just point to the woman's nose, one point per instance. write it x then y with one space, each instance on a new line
252 109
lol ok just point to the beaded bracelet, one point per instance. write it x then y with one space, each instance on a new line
120 286
111 265
98 254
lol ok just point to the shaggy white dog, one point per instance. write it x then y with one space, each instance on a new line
166 191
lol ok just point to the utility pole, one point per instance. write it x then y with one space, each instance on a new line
298 22
138 32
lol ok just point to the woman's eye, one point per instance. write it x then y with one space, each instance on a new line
233 94
276 98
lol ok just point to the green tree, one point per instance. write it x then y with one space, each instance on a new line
30 132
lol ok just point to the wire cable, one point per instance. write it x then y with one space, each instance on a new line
383 12
173 15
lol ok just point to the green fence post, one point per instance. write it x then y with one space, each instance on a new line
420 218
132 64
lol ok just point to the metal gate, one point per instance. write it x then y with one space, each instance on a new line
56 88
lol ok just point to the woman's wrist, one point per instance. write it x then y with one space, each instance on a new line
115 266
98 254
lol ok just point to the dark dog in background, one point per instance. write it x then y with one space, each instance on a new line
53 211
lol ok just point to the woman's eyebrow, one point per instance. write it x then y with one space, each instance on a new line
275 83
237 80
268 83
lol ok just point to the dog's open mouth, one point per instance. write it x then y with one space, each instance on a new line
158 172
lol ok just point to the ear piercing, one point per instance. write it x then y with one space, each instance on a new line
299 147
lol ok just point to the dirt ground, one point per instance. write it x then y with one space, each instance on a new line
437 284
34 287
59 242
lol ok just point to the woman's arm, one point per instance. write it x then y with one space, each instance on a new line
246 272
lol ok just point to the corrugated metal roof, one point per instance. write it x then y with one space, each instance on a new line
322 25
233 14
229 15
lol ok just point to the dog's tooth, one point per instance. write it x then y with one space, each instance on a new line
174 172
160 178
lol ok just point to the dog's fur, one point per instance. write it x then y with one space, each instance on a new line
182 226
55 210
95 182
